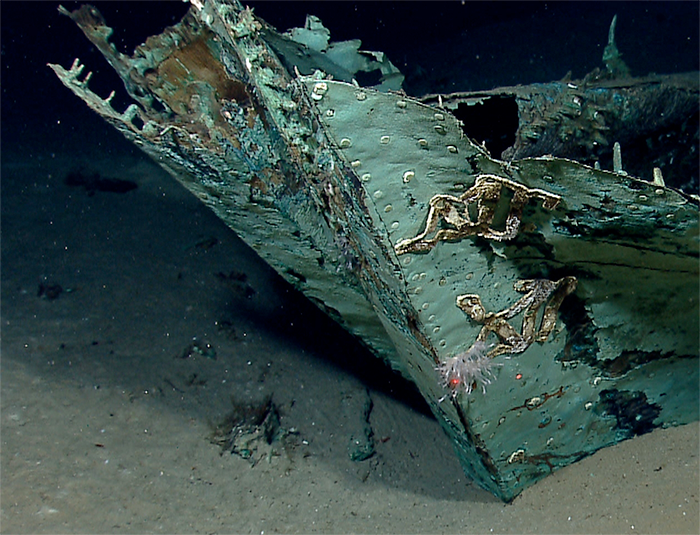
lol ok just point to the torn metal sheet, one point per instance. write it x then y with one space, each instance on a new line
544 308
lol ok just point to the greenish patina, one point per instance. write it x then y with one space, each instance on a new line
545 308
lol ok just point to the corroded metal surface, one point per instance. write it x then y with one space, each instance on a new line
570 291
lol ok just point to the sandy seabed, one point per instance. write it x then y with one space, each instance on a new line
107 411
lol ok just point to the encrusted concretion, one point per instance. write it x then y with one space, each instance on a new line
454 211
537 293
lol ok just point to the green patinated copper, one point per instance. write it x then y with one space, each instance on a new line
388 217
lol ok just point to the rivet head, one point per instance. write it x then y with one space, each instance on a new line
388 208
408 176
345 143
378 194
330 113
319 90
452 149
516 457
439 117
533 402
384 140
361 95
401 103
366 177
423 142
355 164
440 129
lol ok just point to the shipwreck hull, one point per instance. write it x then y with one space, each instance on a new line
544 308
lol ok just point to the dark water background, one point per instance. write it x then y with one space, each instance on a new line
440 46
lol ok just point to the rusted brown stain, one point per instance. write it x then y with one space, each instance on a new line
189 71
257 183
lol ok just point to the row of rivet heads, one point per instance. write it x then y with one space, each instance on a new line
418 279
642 198
417 290
406 177
321 88
318 92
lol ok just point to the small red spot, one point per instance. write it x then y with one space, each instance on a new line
455 382
519 376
